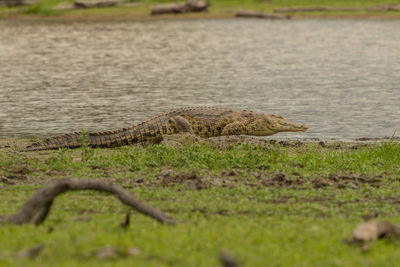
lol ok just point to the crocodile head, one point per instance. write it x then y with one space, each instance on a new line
265 125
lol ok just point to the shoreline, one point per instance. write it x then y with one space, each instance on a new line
20 142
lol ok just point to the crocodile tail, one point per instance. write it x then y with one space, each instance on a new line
119 137
142 132
62 141
110 138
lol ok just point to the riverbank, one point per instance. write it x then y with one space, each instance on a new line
140 10
291 203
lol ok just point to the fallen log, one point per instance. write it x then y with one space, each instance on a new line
12 3
381 7
38 206
197 6
184 7
262 15
96 3
299 9
386 7
318 9
168 8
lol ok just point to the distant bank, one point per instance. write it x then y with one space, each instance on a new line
141 9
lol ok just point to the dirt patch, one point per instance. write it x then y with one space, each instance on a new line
192 181
352 181
321 182
56 172
232 172
197 184
278 180
19 168
169 179
16 173
287 143
13 178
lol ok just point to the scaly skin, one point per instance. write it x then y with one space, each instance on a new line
200 121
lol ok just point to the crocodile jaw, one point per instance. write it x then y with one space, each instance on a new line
291 128
279 124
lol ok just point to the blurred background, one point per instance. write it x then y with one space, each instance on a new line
334 65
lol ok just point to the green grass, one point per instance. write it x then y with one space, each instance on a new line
250 212
219 8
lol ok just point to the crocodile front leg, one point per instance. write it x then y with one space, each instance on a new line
180 124
235 128
177 128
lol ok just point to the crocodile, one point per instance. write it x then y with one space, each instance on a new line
203 122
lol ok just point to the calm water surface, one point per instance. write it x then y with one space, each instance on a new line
341 77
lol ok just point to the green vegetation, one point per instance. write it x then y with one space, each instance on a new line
139 9
290 204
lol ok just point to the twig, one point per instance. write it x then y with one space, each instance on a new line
38 206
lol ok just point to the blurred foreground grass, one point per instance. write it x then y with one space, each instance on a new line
288 204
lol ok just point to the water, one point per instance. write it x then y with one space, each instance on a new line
341 77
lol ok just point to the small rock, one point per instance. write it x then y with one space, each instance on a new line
133 251
139 180
30 253
63 6
367 232
106 253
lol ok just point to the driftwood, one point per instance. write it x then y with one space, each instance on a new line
38 206
12 3
184 7
94 4
387 7
299 9
382 7
261 15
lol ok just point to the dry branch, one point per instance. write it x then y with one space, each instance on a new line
299 9
381 7
38 206
183 7
386 7
261 15
95 3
